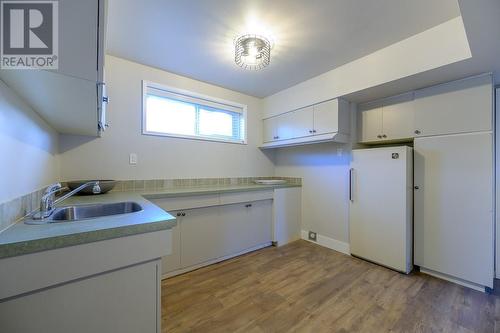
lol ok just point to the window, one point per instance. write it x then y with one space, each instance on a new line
173 112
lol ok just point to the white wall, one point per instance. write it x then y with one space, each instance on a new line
324 169
159 157
324 186
441 45
29 147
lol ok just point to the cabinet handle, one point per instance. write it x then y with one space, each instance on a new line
418 132
248 205
384 136
379 136
183 214
314 131
310 131
416 187
351 170
178 214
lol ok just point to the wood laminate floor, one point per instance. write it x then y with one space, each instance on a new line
302 287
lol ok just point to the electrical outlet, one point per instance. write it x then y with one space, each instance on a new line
132 159
312 236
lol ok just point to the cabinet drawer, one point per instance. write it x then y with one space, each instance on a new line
230 198
187 202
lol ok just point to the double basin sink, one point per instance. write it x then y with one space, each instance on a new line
82 212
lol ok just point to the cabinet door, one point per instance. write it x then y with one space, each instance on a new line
457 107
295 124
454 206
79 36
124 300
326 117
202 236
302 122
284 126
172 262
398 119
270 129
371 124
258 227
247 225
287 214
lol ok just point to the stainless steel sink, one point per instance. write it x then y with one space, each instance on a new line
80 212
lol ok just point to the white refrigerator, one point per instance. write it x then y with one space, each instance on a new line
380 206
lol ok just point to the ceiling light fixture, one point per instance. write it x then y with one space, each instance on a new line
252 51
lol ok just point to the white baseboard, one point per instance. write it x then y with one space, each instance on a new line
213 261
452 279
328 242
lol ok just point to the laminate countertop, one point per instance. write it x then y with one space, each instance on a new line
21 238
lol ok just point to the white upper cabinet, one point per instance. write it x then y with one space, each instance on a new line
270 129
295 124
81 38
67 103
72 98
457 107
371 124
398 118
327 121
462 106
389 119
302 122
326 117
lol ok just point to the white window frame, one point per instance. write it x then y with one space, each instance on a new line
148 84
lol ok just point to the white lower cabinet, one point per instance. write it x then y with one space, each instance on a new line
247 225
202 235
239 222
287 214
172 262
125 300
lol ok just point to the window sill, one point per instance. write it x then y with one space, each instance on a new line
197 138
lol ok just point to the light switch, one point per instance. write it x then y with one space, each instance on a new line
132 158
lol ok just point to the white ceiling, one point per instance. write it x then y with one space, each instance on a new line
194 38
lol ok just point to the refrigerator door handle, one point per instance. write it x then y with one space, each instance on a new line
351 170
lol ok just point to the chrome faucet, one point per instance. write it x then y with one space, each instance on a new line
48 200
